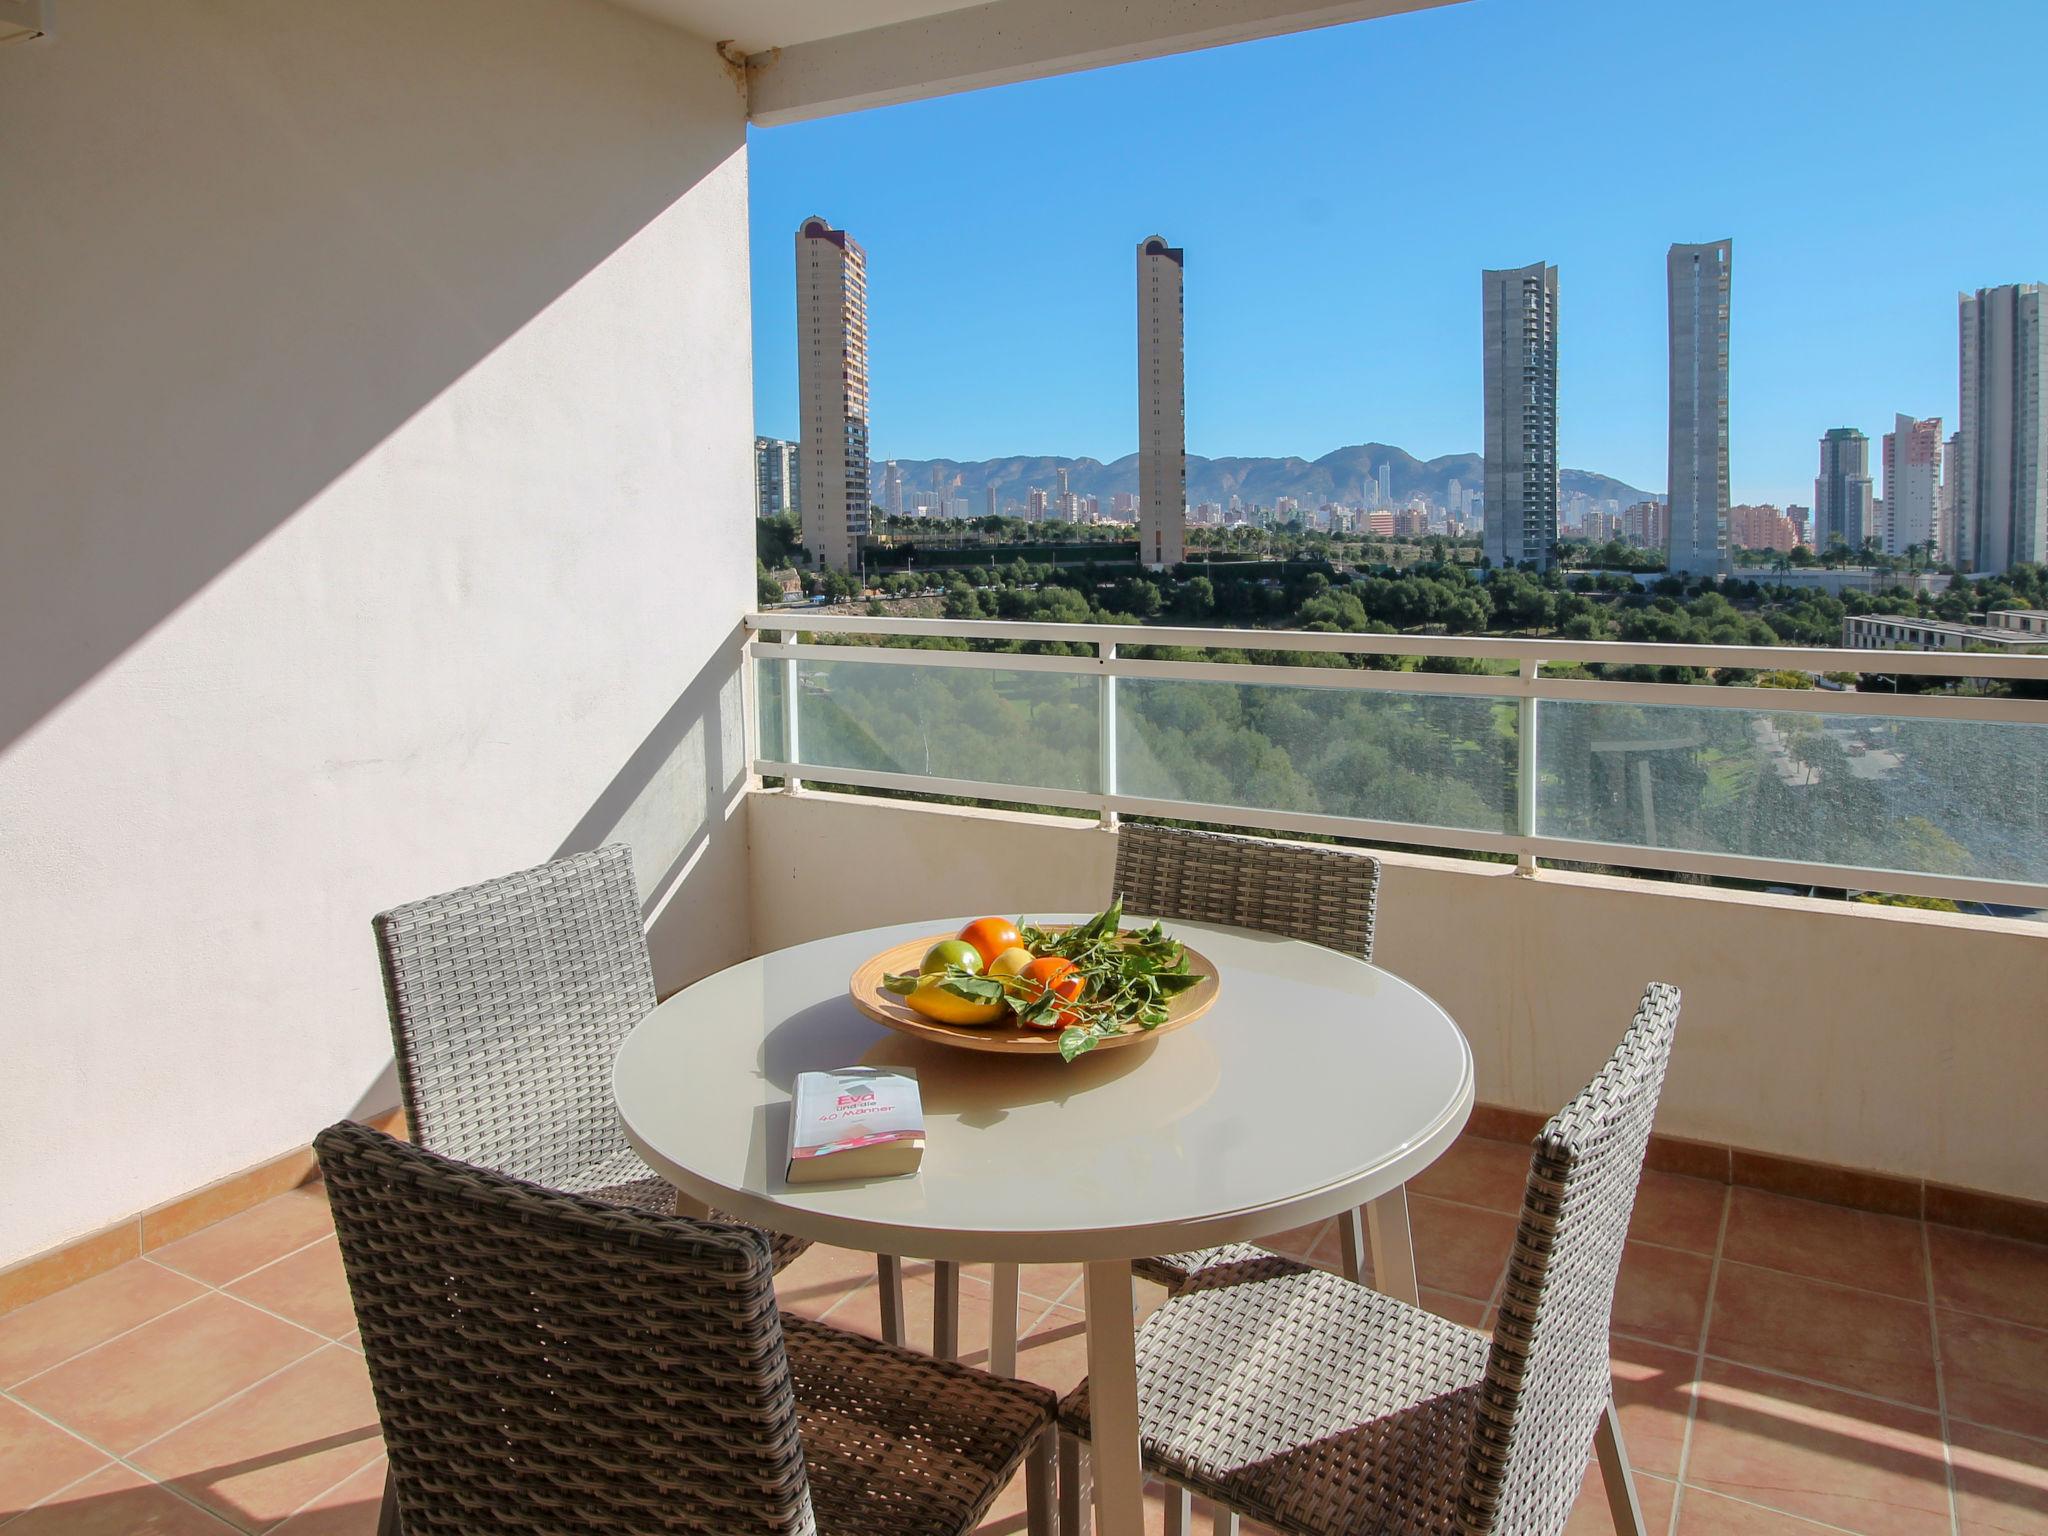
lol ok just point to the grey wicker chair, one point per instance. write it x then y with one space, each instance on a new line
1349 1411
544 1362
1326 896
508 1001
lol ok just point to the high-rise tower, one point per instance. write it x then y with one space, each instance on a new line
1518 308
832 391
1697 281
1912 485
1842 503
2001 501
1162 407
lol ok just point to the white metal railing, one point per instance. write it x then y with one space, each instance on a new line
1527 689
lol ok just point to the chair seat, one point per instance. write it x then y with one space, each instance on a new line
897 1444
658 1196
1305 1400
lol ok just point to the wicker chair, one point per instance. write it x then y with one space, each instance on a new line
544 1362
508 1001
1350 1411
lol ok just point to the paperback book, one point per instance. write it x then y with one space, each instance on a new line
855 1123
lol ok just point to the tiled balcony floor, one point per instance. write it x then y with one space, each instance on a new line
1783 1367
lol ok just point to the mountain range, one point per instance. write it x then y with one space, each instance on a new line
1339 476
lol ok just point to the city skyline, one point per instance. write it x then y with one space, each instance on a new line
1334 300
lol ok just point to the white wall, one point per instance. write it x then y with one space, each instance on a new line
1879 1038
375 415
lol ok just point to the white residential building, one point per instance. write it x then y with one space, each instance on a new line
1162 407
832 391
775 476
1912 485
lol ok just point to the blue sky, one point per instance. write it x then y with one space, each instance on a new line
1339 192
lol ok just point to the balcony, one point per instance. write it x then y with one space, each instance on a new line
376 444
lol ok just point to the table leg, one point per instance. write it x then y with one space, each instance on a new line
889 1280
692 1207
1351 1244
1113 1399
946 1310
1002 1320
1393 1249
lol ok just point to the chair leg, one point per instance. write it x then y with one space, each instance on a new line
1393 1247
1040 1493
387 1517
1222 1522
946 1310
889 1277
1180 1511
1622 1505
1002 1320
1076 1507
1351 1244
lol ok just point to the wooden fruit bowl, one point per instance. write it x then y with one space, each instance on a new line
1007 1037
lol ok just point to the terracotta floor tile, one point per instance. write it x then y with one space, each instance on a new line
350 1508
1827 1242
1995 1373
308 1287
147 1382
2001 1482
1653 1387
37 1458
1662 1294
1706 1514
1459 1249
118 1502
39 1335
861 1312
1459 1309
257 1458
821 1277
1590 1516
1048 1282
1975 1272
229 1249
1477 1171
1304 1242
1327 1251
1845 1338
1055 1352
1678 1212
1824 1455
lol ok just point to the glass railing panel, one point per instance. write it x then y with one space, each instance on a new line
1923 796
1429 760
1030 730
771 698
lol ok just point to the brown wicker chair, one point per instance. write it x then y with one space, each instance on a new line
1350 1411
508 1002
544 1362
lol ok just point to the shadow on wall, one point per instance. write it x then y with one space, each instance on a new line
683 788
259 235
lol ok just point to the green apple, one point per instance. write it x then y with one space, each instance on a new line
949 952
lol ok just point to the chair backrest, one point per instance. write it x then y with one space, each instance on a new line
1547 1374
508 1001
1326 896
543 1362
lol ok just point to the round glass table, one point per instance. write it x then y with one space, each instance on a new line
1317 1084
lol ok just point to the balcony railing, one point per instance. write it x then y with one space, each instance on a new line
1936 793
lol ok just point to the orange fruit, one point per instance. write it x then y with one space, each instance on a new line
991 936
1055 974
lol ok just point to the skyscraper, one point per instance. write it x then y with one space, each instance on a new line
892 487
1518 310
995 503
1162 407
1697 281
2002 486
832 391
775 476
1841 492
1383 484
1946 533
1912 485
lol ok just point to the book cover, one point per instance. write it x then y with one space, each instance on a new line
855 1123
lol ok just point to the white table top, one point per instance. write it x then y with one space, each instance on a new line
1317 1082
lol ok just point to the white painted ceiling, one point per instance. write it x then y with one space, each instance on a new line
758 25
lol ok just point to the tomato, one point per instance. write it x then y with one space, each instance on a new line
990 936
1055 974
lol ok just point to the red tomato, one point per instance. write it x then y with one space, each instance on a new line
1056 974
991 935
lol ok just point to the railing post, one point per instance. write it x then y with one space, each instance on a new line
1105 653
792 784
1525 771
